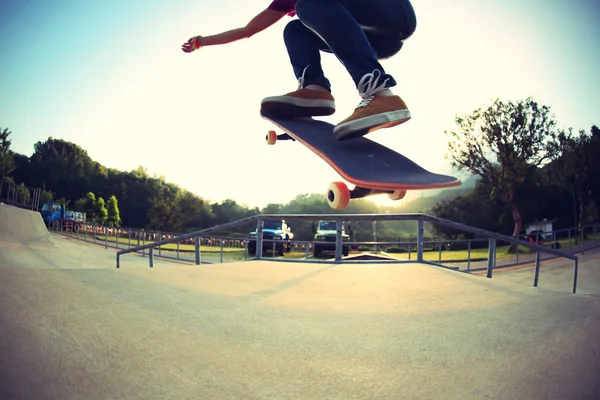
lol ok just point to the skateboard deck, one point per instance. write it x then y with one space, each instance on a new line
370 166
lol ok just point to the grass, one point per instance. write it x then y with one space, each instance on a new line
124 242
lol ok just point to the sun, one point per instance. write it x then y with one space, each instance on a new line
383 200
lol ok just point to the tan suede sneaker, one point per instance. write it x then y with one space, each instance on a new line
300 103
372 113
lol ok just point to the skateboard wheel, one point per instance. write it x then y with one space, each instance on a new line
397 195
338 195
271 137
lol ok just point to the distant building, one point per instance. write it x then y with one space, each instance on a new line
544 229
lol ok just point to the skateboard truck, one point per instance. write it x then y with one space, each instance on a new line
272 137
338 194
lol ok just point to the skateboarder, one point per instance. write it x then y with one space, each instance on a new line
359 33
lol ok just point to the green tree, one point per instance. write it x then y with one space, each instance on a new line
594 168
164 212
271 208
575 168
112 208
23 194
501 142
46 196
473 209
195 212
7 163
88 205
101 211
62 166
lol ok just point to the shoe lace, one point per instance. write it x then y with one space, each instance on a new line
301 79
367 87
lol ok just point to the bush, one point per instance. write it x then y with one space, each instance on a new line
396 250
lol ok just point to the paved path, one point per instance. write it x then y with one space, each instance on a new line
74 327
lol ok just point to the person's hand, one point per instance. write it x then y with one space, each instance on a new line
194 43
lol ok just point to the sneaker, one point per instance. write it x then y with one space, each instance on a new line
300 103
372 113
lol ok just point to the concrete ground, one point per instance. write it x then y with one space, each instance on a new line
72 326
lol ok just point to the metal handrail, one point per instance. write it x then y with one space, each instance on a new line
340 218
497 236
192 235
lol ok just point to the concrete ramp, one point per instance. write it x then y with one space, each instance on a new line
23 227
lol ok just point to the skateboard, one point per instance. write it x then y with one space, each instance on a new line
370 166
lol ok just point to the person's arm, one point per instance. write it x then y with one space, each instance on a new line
259 23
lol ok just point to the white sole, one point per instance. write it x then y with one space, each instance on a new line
299 102
364 125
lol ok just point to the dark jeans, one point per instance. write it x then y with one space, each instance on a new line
358 32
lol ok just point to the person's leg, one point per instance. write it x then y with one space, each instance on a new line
304 49
345 25
348 39
313 97
365 30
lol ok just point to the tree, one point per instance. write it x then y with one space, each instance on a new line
62 166
101 211
164 212
46 196
112 208
474 209
574 167
271 208
501 142
594 167
7 163
88 205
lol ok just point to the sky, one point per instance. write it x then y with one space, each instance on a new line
110 76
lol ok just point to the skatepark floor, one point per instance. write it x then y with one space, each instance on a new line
72 326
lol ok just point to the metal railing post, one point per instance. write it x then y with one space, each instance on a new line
575 275
221 241
469 255
105 238
197 249
118 261
536 276
420 240
338 241
151 257
159 239
491 257
259 237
